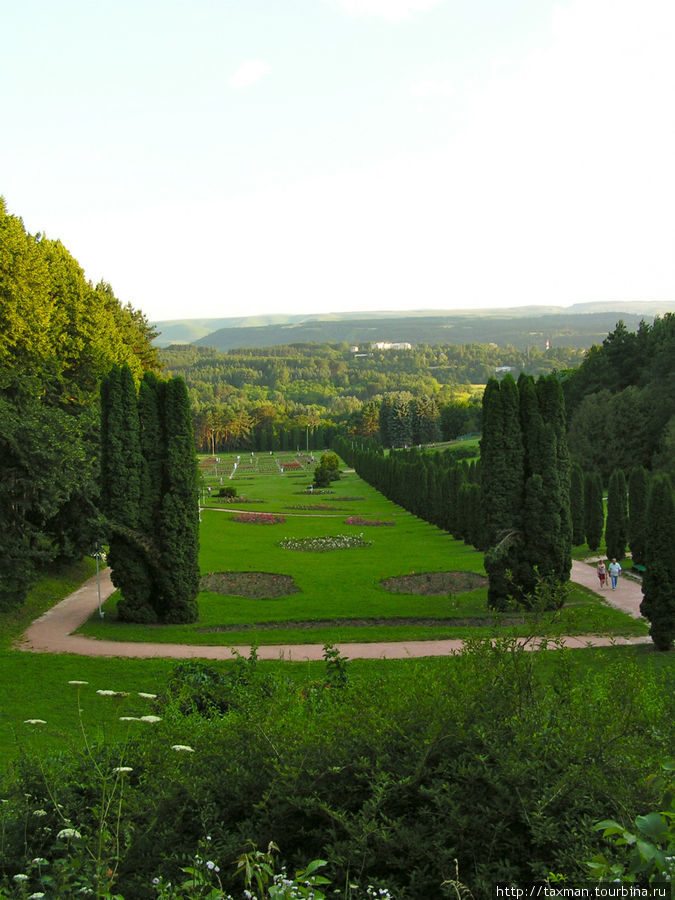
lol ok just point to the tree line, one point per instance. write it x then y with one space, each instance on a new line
59 336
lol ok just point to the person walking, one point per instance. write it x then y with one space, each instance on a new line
614 572
602 573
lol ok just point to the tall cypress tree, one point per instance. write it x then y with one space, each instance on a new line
616 529
594 513
638 489
658 603
552 406
178 531
577 504
502 475
130 550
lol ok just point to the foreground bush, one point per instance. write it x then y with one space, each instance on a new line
495 765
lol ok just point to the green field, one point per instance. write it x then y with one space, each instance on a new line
339 594
334 589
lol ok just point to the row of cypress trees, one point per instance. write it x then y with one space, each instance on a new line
525 488
149 493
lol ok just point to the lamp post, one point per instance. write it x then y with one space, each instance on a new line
97 556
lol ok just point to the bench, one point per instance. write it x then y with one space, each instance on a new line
638 569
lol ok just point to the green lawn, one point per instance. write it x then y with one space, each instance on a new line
333 586
338 587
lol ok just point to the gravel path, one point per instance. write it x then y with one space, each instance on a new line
53 631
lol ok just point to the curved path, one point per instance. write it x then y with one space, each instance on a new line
53 631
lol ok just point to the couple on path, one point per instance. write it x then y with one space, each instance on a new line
614 572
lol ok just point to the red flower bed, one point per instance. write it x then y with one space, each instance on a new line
258 519
359 520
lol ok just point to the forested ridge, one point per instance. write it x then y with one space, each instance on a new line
59 336
268 397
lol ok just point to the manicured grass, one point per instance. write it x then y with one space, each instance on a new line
341 585
333 586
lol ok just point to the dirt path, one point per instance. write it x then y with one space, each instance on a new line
53 631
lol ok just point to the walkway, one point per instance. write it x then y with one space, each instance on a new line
53 631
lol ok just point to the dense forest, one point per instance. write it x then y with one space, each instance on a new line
59 336
287 396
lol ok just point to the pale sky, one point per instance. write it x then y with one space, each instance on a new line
240 157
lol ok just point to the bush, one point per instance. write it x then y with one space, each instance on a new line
501 759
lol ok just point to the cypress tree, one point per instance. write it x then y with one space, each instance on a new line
130 550
616 529
577 504
552 406
502 470
638 489
178 532
658 603
594 513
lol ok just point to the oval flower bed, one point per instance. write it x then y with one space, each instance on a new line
359 520
252 585
434 583
325 544
258 519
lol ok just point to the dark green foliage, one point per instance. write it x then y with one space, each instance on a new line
638 489
131 552
500 759
616 528
501 450
622 399
328 470
58 337
577 504
177 533
525 488
149 488
594 514
658 584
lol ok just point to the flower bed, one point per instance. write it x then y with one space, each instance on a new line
359 520
258 519
292 465
252 585
317 506
325 544
434 583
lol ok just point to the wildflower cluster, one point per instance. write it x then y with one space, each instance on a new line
258 519
359 520
325 544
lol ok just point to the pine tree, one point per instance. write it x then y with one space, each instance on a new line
658 603
616 529
638 490
577 504
594 513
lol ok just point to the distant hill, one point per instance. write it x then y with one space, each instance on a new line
577 326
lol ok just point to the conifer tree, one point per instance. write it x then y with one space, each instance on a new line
638 490
594 513
577 504
178 525
130 551
658 603
616 528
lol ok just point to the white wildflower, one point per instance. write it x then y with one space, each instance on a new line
120 770
78 682
150 719
34 722
182 748
67 834
147 696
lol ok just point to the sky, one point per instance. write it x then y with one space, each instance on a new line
214 158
